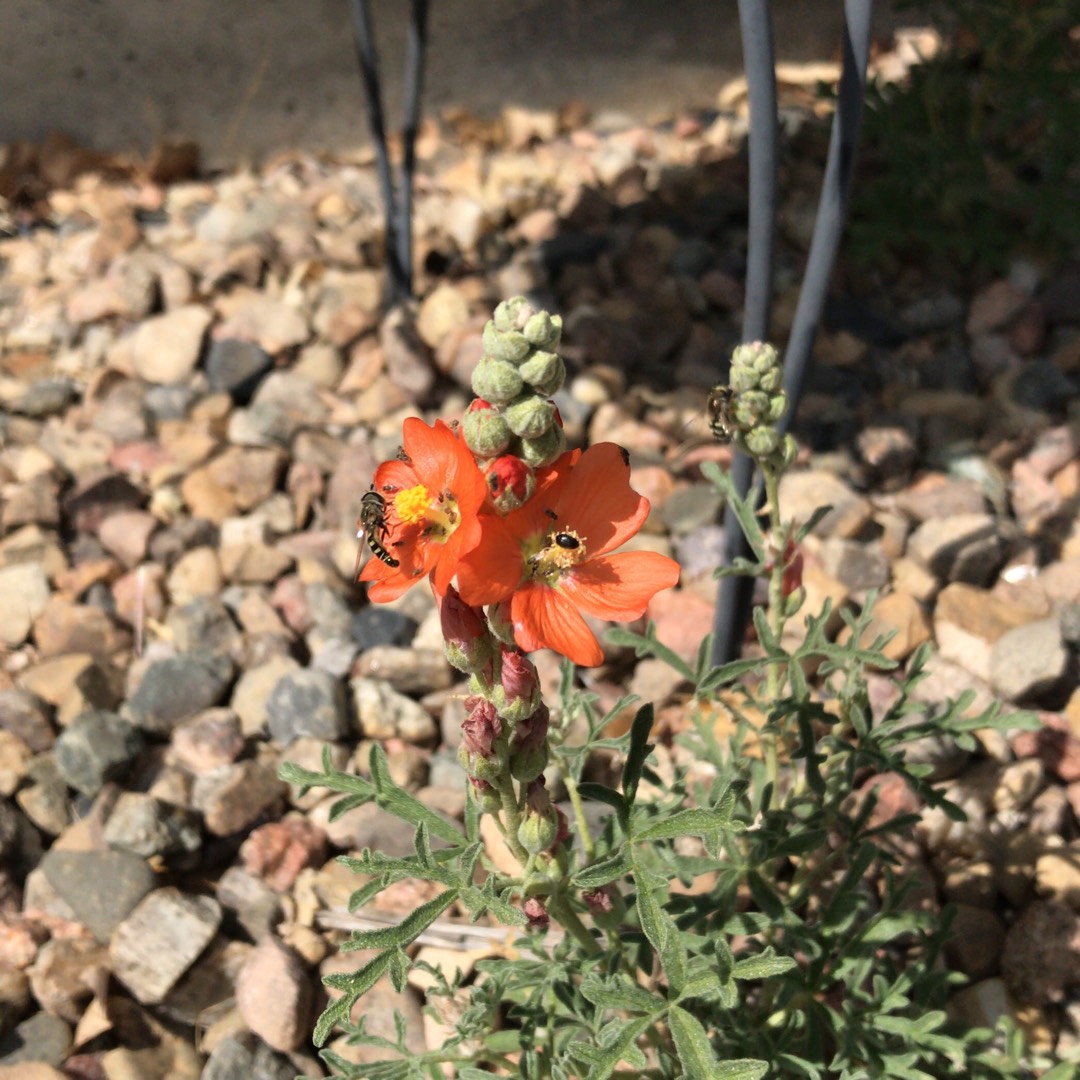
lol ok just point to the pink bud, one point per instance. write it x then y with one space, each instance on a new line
536 913
520 681
481 727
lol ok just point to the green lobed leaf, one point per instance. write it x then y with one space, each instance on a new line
401 804
603 1062
763 966
742 508
692 1044
602 793
592 877
406 931
352 984
639 750
663 934
740 1069
618 993
686 823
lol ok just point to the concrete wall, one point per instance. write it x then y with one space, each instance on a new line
247 77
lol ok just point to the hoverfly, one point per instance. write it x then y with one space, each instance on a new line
718 409
372 526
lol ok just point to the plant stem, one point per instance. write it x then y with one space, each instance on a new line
775 674
513 818
587 845
559 908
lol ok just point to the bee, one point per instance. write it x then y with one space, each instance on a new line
718 409
373 527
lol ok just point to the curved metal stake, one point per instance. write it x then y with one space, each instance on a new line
735 594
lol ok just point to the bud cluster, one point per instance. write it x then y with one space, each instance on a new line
758 403
513 427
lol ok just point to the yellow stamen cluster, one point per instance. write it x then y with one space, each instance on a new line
417 506
548 561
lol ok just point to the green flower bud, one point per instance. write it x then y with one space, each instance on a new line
743 379
789 451
486 432
499 622
792 603
750 408
496 381
512 314
758 357
544 372
530 416
771 381
509 345
489 768
762 441
489 799
545 449
543 330
777 407
537 832
526 765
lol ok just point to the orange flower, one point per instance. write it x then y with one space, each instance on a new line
550 558
431 498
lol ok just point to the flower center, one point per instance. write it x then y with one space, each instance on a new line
436 514
547 557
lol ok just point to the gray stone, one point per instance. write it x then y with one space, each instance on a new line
232 797
204 625
45 799
307 702
175 689
96 747
257 907
147 826
236 367
690 508
42 1037
379 625
382 712
962 547
100 887
243 1055
1029 663
46 397
26 715
153 947
858 566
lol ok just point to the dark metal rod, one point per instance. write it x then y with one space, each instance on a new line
369 72
735 595
415 51
832 206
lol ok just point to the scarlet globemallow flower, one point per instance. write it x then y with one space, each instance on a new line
551 558
432 495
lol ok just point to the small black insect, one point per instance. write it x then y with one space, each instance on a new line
565 540
719 411
372 524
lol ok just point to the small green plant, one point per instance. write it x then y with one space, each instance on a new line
975 156
746 919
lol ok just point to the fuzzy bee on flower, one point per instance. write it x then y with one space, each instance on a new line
718 410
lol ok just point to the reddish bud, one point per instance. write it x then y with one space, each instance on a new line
598 901
468 643
518 694
480 728
536 913
510 482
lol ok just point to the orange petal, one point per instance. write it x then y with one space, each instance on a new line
395 474
544 619
492 570
598 502
432 451
619 587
